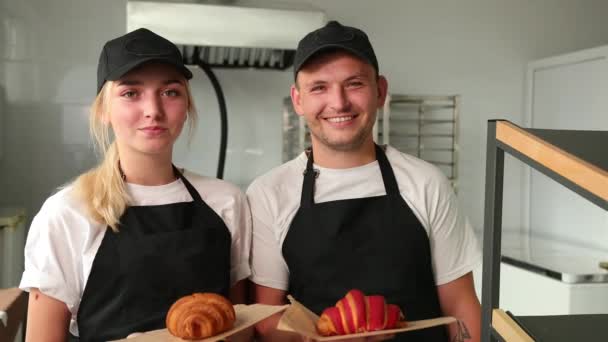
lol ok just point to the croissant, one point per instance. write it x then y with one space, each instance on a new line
357 313
200 315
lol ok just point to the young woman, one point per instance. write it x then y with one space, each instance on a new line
108 254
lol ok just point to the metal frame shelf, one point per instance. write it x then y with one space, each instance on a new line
428 131
429 119
575 159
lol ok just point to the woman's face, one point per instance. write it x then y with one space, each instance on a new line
148 108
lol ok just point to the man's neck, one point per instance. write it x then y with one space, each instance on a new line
147 170
336 159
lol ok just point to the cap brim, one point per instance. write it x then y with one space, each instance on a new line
120 72
329 47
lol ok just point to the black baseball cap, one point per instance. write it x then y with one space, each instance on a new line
123 54
334 36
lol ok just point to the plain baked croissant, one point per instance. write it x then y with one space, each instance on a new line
357 313
200 315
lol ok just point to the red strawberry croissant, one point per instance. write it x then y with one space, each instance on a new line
357 313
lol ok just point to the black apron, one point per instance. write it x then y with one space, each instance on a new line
162 252
374 244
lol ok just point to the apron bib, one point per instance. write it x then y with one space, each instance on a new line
162 252
374 244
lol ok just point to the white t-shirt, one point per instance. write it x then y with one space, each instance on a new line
274 199
62 241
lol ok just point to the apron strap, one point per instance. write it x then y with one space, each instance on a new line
388 176
308 186
191 190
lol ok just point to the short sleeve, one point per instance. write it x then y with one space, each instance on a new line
454 247
51 264
268 268
241 240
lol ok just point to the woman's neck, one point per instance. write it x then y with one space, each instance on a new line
147 170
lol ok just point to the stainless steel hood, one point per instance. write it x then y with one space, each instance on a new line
228 35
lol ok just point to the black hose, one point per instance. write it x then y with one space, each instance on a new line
223 116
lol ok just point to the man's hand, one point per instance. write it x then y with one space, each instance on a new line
375 338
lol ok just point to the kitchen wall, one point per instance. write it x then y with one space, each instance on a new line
475 48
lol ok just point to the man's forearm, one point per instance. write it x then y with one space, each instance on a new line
471 317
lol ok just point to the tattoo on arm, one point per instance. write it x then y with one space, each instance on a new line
462 334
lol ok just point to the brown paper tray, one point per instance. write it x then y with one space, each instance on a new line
246 316
297 318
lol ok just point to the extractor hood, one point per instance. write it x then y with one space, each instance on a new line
229 33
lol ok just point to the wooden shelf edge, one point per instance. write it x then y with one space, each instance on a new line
508 329
578 171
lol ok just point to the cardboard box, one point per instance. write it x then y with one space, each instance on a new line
299 319
246 316
13 308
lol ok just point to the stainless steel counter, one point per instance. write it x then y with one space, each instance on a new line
556 259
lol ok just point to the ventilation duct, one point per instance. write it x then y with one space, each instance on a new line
228 35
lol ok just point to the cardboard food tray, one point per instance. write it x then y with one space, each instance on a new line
297 318
246 316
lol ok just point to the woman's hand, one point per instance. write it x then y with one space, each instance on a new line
245 335
135 334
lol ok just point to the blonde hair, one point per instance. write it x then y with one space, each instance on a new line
102 189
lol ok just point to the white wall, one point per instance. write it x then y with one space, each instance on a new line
478 49
568 92
48 54
475 48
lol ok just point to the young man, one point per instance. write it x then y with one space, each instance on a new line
351 214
